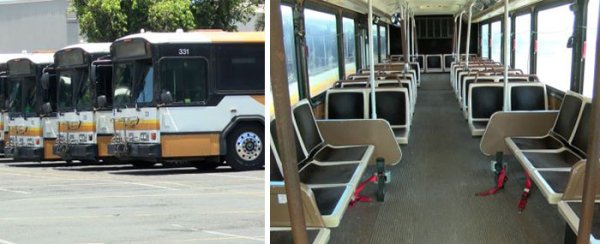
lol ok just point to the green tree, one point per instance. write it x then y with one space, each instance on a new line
100 20
107 20
170 15
222 14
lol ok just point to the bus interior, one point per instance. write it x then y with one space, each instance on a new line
458 121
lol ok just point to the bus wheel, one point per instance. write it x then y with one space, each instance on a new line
143 164
245 147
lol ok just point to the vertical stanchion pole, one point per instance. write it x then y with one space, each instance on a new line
469 34
459 35
372 57
283 113
506 54
593 150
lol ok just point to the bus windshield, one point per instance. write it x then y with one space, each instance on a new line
133 83
74 89
30 95
13 93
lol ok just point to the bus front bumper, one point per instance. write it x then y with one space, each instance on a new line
135 150
76 151
28 153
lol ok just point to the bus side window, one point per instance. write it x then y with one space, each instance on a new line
185 78
241 68
104 83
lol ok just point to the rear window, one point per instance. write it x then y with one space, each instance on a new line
241 68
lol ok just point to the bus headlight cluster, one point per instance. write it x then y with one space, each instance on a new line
29 141
144 136
82 138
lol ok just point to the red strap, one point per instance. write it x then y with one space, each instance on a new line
359 198
499 184
525 194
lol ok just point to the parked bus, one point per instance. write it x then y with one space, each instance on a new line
189 97
32 122
84 87
435 121
3 115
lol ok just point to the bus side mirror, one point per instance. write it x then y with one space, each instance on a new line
166 97
101 101
47 108
45 80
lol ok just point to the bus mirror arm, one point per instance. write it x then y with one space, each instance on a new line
45 80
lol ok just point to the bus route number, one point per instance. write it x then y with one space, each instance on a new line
184 51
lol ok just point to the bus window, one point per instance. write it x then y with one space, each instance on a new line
241 68
186 79
496 41
290 53
590 57
485 41
383 42
321 39
555 26
523 42
349 46
375 44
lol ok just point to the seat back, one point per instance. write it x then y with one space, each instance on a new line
392 104
527 96
306 126
466 84
582 134
570 111
433 63
448 59
275 147
485 100
345 104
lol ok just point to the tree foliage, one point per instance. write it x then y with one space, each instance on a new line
219 14
107 20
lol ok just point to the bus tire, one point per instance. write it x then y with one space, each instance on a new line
245 147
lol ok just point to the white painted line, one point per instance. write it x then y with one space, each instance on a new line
236 176
232 235
32 218
14 191
146 185
5 242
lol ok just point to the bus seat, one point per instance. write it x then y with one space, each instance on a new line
484 100
393 105
345 104
283 235
527 96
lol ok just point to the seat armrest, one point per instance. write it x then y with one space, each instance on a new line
574 189
280 216
376 132
513 124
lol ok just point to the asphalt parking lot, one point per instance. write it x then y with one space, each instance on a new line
54 202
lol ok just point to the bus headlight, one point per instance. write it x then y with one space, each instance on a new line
144 136
30 141
82 138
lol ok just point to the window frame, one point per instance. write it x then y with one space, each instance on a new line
159 83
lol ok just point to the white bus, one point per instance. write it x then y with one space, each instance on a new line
194 97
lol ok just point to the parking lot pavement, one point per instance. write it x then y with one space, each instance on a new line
60 203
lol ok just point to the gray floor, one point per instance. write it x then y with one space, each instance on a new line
60 203
431 198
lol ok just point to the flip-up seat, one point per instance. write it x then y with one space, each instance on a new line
316 148
283 235
568 117
312 172
324 206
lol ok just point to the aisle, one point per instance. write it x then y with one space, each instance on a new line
431 198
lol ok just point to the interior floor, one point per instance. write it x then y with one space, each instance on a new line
431 198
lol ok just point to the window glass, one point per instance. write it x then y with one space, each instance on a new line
290 52
321 39
84 95
496 41
383 42
485 41
144 89
13 94
186 79
349 46
103 83
241 68
590 56
523 42
555 26
30 95
133 83
375 44
66 82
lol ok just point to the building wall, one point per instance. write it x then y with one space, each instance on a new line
36 25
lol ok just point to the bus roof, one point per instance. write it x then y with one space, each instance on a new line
98 47
198 37
36 58
5 57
